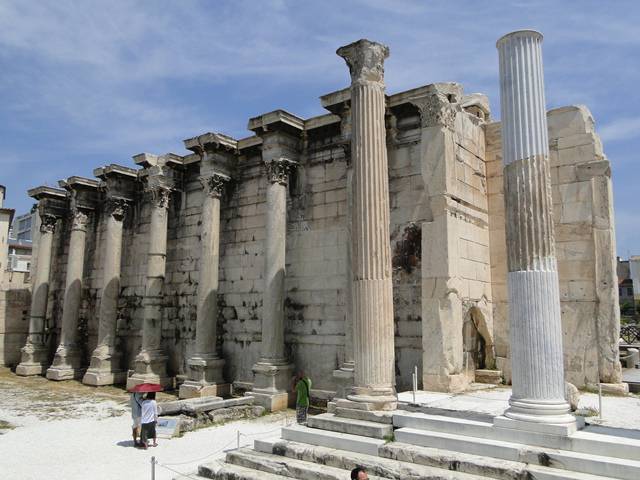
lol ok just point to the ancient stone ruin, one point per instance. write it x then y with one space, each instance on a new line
355 245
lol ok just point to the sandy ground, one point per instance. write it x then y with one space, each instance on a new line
69 431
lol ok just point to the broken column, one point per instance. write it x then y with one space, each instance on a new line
206 364
151 362
52 204
67 360
280 132
119 186
532 278
373 328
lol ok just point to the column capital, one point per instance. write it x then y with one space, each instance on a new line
279 169
48 222
365 60
79 219
436 110
117 207
160 195
214 184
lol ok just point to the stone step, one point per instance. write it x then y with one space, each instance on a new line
376 416
345 461
562 459
476 464
325 438
226 471
331 422
595 440
286 467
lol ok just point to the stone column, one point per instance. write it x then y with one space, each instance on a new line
205 366
373 329
273 371
105 361
532 278
34 353
66 362
150 363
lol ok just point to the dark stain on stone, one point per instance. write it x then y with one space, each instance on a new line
544 459
408 250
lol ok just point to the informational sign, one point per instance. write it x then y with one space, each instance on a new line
167 427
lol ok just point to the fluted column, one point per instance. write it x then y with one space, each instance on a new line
67 360
34 354
205 366
105 360
273 371
534 299
373 329
151 361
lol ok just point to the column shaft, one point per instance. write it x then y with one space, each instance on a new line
66 363
34 353
274 271
534 299
205 366
207 313
373 329
105 366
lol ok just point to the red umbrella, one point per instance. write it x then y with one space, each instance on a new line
146 387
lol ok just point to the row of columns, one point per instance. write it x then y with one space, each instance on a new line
534 315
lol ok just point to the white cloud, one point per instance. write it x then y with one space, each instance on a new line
621 129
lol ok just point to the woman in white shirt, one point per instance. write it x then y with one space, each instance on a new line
149 419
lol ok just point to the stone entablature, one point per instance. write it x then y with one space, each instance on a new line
447 272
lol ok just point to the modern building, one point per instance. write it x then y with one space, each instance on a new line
6 216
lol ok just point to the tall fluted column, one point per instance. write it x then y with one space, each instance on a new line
534 298
205 366
151 361
373 329
273 371
67 362
105 366
35 352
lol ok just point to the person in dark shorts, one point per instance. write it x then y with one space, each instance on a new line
149 419
302 388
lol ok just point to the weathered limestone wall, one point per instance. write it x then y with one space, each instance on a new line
15 299
585 243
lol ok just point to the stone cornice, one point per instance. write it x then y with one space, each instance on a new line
211 142
278 120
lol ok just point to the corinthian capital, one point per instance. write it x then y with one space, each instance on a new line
365 60
214 184
117 208
79 219
436 110
48 223
278 170
160 195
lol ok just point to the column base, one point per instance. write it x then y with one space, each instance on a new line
272 386
562 430
33 361
151 367
454 383
104 368
536 411
66 364
344 380
371 399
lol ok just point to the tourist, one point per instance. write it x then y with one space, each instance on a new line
136 413
149 419
359 473
302 389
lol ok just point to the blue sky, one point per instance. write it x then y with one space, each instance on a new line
84 83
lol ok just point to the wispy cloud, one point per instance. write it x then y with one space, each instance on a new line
621 129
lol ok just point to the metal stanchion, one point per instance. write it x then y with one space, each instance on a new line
153 468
